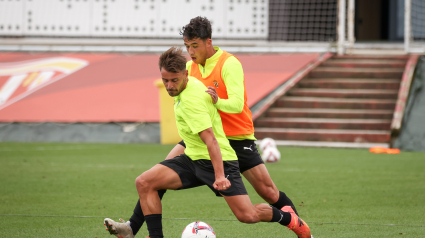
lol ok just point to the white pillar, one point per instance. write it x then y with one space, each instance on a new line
351 20
341 26
407 25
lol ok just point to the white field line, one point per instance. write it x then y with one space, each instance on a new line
54 148
174 218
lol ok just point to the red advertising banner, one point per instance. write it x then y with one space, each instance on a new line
85 87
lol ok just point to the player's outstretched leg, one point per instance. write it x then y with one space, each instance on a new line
253 169
284 201
245 212
297 225
119 229
136 221
148 184
286 217
260 179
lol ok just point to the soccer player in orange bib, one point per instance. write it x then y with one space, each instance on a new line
222 73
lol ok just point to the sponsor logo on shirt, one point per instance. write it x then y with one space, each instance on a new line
215 83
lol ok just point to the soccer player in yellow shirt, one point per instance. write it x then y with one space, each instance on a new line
222 73
207 160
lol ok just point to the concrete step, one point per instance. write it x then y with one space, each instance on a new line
323 123
335 72
374 57
330 113
343 93
358 136
327 144
360 83
343 103
365 63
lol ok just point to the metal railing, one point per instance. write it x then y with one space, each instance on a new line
346 23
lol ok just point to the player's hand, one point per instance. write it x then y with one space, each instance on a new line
211 91
222 184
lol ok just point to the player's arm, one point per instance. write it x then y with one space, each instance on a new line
198 119
208 137
233 77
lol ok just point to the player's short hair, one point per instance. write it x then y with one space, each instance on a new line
172 60
198 27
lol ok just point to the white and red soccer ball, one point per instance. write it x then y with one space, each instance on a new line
198 229
266 143
270 153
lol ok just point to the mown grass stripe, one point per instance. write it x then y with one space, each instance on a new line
182 218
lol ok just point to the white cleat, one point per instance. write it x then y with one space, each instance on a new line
120 230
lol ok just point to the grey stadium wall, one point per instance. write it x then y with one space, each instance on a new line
412 135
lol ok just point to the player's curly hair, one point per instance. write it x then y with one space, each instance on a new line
198 27
172 60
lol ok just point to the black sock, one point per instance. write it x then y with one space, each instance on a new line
284 218
154 223
284 201
137 219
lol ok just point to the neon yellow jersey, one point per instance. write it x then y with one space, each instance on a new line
195 112
233 77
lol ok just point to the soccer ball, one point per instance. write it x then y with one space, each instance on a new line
271 155
198 229
267 142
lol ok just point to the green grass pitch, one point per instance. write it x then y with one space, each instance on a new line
65 190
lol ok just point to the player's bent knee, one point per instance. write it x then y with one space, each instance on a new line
142 183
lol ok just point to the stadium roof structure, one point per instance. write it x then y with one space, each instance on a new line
111 87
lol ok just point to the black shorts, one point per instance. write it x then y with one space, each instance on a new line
195 173
246 151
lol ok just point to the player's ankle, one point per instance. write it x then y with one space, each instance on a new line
154 223
284 218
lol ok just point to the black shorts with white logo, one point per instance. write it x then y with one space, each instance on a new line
246 151
195 173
